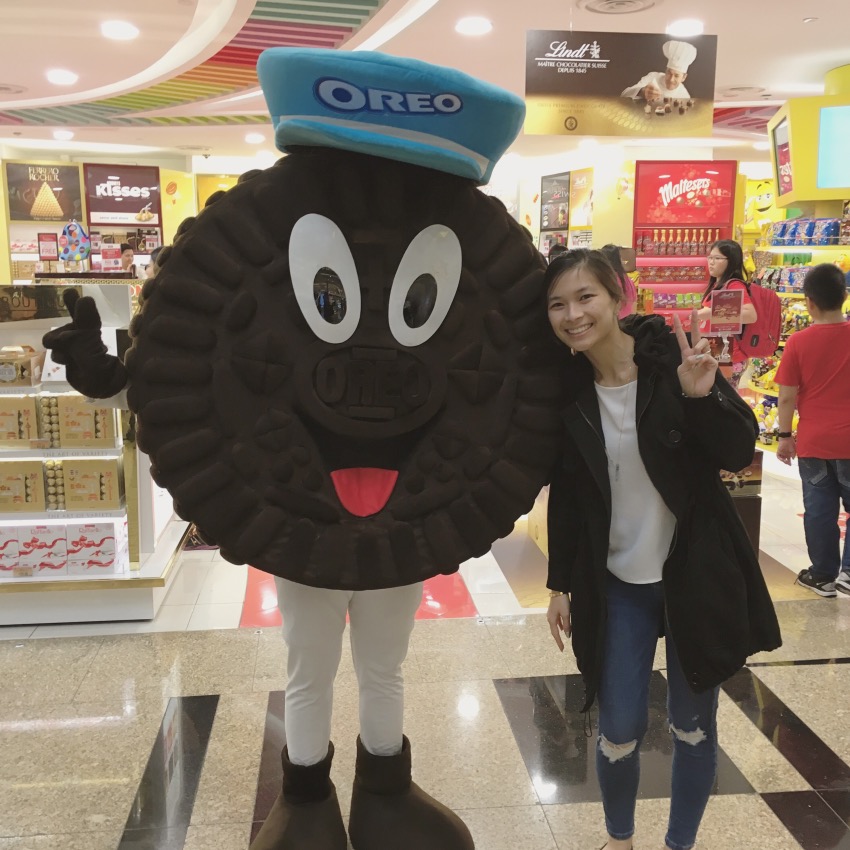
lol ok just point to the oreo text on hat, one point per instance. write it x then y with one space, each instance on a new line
343 96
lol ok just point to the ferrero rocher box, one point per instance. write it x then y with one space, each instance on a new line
85 425
20 366
18 421
93 484
21 486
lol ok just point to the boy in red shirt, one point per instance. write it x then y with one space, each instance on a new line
814 376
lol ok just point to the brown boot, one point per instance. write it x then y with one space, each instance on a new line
306 815
390 812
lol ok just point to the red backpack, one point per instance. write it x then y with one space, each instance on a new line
761 338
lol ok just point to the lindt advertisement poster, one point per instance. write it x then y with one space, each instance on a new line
43 192
685 193
619 84
122 194
727 306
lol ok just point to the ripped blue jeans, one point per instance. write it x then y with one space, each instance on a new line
635 616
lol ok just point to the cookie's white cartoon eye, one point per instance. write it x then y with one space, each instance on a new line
324 278
425 285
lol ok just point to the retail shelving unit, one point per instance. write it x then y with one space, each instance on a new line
153 534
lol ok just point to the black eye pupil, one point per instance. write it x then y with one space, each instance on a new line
420 302
329 295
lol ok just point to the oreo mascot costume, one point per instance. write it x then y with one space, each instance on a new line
334 374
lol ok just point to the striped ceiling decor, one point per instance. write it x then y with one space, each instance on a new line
751 119
273 23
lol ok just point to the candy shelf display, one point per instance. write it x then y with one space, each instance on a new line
78 508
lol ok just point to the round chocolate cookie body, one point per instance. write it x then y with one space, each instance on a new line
336 373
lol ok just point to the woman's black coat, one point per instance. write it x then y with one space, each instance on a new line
718 609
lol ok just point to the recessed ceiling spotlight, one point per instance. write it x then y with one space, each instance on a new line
473 26
119 30
60 77
63 135
810 20
255 138
761 146
686 27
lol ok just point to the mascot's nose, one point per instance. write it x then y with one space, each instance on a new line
360 391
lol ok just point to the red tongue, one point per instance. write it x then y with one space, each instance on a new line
364 492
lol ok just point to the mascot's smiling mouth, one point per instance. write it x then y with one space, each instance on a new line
364 491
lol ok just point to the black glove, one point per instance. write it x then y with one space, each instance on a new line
91 370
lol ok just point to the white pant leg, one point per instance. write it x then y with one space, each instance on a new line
381 623
313 625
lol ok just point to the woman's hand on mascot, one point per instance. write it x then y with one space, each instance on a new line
698 368
558 617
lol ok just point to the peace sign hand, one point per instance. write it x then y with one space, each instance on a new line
698 368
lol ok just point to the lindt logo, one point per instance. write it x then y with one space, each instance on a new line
670 191
561 50
112 188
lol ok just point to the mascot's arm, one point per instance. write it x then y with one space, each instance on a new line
564 528
78 346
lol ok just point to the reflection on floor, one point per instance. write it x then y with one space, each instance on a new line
559 748
170 740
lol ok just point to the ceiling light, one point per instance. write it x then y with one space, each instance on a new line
119 30
63 135
60 77
809 20
686 27
473 26
255 138
761 146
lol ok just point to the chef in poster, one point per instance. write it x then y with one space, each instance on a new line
657 85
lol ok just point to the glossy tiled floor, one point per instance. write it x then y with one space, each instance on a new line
166 740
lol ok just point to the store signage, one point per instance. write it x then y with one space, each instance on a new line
122 194
48 246
786 175
685 193
110 258
581 199
727 306
43 191
619 84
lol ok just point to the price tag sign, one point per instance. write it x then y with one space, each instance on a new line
110 258
48 246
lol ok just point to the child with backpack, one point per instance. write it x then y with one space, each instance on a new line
761 314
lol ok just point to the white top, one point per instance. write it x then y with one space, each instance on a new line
641 524
656 78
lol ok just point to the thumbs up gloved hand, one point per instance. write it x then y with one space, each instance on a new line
91 370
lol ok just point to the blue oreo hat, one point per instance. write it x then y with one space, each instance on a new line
391 107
